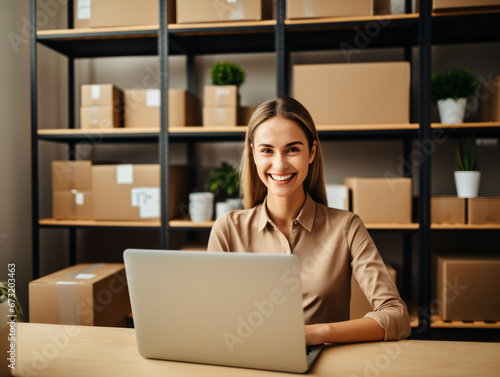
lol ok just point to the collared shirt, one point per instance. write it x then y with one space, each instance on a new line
331 244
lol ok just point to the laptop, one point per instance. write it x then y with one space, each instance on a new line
233 309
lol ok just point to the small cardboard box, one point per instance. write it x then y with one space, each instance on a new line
100 95
337 196
484 210
82 11
142 108
447 210
328 8
354 93
381 200
220 96
100 117
69 175
468 288
455 4
72 204
244 114
220 116
359 303
192 11
109 13
84 294
489 101
132 192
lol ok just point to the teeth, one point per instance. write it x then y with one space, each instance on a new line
281 177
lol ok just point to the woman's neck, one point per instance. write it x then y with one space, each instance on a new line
284 209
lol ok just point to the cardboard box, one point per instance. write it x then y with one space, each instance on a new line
100 95
244 114
100 117
354 93
82 11
84 294
69 175
489 101
454 4
220 96
192 11
219 116
447 210
72 204
483 210
337 196
394 6
468 288
381 200
109 13
132 192
359 303
142 108
328 8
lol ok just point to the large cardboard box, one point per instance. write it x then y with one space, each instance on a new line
220 116
101 94
454 4
84 294
72 204
81 14
328 8
142 108
109 13
220 95
132 192
100 117
468 288
381 200
484 210
192 11
69 175
337 196
359 303
354 93
447 210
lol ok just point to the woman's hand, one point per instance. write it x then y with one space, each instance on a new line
315 334
356 330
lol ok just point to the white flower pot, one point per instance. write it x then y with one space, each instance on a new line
236 203
467 183
221 208
451 111
4 341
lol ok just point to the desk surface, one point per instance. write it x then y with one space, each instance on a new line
57 350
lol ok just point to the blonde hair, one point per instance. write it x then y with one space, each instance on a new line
252 189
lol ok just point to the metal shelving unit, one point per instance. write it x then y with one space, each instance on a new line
281 37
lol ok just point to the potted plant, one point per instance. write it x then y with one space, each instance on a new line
224 183
467 165
7 308
450 90
227 73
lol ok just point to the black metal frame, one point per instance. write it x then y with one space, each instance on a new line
281 39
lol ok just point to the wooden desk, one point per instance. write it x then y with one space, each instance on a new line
57 350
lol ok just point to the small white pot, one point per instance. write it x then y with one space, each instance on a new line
199 215
236 203
451 111
221 208
467 183
4 341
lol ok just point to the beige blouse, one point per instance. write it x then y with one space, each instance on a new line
331 244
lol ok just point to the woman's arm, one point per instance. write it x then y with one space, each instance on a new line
356 330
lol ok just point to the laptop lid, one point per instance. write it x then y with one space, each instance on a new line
235 309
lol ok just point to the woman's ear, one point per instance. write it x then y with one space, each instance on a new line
312 154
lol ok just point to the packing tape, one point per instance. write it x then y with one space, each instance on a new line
309 8
68 295
94 116
220 93
220 114
237 10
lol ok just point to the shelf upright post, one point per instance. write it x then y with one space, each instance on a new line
34 145
71 125
191 146
280 48
163 147
425 137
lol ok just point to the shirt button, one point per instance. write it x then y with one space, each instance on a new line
294 229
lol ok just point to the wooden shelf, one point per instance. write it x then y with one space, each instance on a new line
392 226
99 223
214 25
202 129
181 223
331 20
95 131
467 125
437 322
104 31
368 127
465 226
449 13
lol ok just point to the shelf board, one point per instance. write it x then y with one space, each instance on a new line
392 226
236 26
187 224
465 226
96 136
467 125
437 322
99 223
352 19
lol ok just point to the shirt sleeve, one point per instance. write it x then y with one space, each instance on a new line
219 239
369 270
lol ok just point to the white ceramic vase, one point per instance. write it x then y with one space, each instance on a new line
467 183
452 111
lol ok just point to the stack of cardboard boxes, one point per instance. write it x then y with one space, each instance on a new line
193 11
220 106
473 211
102 107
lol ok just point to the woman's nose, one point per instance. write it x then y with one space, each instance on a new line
279 162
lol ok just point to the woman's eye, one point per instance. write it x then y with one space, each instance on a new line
293 149
267 150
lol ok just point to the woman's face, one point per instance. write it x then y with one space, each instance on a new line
282 157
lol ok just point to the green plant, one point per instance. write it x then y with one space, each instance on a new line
467 155
224 182
455 83
4 296
227 73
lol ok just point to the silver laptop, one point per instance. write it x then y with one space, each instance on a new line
234 309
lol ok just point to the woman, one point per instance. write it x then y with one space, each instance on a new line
283 187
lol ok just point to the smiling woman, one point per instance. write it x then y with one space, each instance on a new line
283 188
